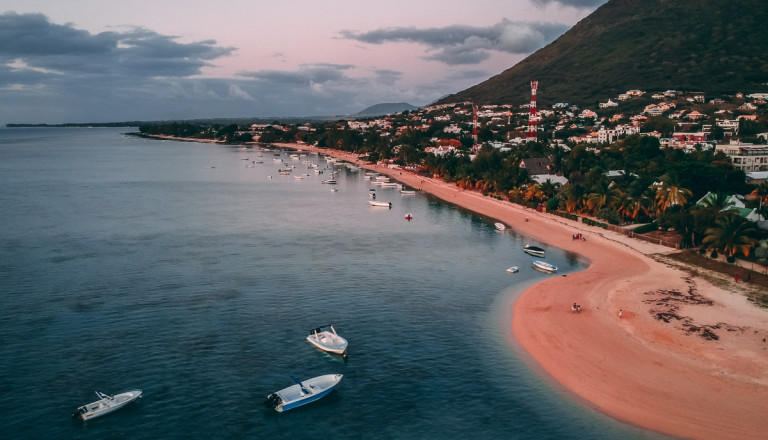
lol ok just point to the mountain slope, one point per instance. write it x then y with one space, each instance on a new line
713 46
385 109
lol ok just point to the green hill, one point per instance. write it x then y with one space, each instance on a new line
714 46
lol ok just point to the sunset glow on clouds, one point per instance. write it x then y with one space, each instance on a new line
94 61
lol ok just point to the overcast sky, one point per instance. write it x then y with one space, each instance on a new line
104 61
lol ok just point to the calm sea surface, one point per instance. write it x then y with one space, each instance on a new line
174 268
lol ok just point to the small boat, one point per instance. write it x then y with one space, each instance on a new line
330 181
513 269
407 192
534 250
284 171
380 204
544 266
325 338
302 393
500 226
106 404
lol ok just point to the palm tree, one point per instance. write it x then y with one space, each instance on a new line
549 188
573 196
466 182
731 235
668 195
761 193
534 193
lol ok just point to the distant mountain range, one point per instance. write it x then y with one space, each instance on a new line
370 112
714 46
385 109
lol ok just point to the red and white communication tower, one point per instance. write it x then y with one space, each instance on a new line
533 115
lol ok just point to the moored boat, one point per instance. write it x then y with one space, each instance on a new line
534 250
106 404
380 204
544 266
513 269
325 338
407 192
500 226
303 392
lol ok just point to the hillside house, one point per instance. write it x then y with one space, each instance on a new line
540 170
736 204
729 125
757 177
746 157
653 110
690 137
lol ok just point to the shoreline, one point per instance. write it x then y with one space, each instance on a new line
686 358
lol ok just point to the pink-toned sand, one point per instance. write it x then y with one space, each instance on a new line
662 376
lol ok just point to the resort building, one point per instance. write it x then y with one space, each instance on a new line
746 157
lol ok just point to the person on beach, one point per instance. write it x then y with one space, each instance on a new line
620 313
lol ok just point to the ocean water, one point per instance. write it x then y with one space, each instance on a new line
173 268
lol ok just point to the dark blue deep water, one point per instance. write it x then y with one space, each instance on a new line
173 268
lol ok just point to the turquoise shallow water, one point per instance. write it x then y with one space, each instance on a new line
174 268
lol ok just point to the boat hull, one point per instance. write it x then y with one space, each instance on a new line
107 405
544 266
307 391
533 250
329 342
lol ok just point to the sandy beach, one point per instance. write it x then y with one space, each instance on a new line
687 357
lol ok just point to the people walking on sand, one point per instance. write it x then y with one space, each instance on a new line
620 313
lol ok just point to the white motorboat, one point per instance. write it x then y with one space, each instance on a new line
330 181
500 226
534 250
407 192
380 204
544 266
513 269
303 392
106 404
325 338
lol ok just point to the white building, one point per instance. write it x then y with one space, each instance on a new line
746 157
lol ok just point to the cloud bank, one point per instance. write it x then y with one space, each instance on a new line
464 45
56 73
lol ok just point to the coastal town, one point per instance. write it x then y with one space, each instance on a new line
667 166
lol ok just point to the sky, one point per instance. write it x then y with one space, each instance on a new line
102 61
